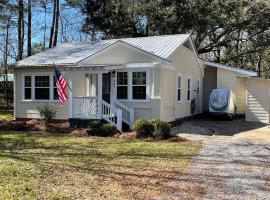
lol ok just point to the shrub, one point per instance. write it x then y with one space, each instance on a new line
143 128
161 129
98 128
47 112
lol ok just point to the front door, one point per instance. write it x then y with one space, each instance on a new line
106 87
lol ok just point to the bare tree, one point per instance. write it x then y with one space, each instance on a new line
29 28
20 29
54 27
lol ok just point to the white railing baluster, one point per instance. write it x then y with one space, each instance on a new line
84 107
127 113
93 108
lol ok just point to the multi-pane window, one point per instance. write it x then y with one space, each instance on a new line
189 89
122 85
42 87
27 87
55 94
179 88
139 85
198 87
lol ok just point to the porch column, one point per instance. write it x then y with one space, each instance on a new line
99 87
87 80
70 96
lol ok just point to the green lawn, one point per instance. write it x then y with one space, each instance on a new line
43 166
6 114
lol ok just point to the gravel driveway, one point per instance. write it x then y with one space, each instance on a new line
228 167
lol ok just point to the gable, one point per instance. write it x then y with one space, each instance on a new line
186 60
120 54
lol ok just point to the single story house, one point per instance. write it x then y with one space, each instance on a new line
121 80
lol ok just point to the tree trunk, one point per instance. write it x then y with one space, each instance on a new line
55 35
20 29
260 66
45 25
5 62
53 25
29 37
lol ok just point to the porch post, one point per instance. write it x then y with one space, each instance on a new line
99 94
70 96
87 80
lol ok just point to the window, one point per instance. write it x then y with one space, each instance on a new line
42 87
189 90
198 87
55 94
27 87
138 85
179 86
122 85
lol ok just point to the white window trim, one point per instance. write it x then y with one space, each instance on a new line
51 100
189 78
177 88
130 91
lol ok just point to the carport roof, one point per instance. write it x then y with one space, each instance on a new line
230 68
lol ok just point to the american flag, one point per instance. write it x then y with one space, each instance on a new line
61 86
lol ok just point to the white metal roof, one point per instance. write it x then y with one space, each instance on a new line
230 68
72 53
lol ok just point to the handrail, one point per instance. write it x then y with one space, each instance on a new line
127 113
93 108
112 114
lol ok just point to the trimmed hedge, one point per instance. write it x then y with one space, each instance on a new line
98 128
161 129
143 128
154 128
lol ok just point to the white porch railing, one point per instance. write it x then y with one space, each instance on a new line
85 107
92 108
127 113
112 115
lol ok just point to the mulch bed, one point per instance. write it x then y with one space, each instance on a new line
35 125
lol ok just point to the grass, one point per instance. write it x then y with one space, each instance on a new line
6 114
43 166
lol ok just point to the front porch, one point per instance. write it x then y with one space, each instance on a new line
99 99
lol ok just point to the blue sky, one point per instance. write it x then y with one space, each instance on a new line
70 18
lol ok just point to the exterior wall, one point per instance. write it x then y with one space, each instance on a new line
227 79
209 83
28 108
188 67
258 99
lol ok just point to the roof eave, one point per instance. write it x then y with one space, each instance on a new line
230 68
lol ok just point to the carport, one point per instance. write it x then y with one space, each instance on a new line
217 75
